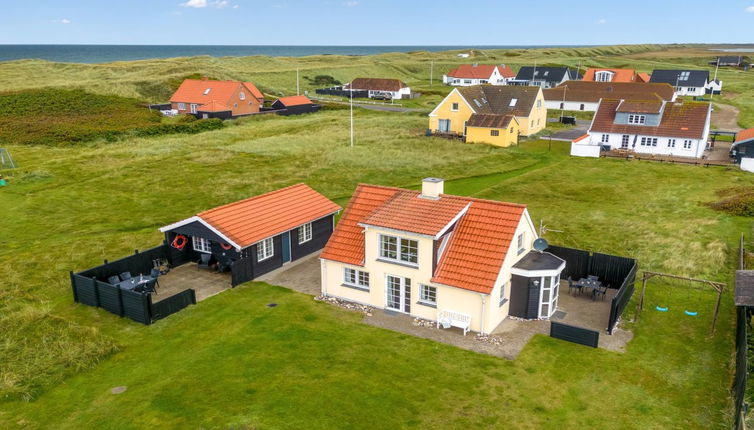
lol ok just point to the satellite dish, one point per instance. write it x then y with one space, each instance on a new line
540 244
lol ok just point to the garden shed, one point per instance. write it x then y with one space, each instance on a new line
295 105
254 236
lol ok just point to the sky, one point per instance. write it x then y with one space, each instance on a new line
375 22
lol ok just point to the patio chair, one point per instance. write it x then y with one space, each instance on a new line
149 286
125 276
572 286
113 280
601 292
203 262
593 277
155 273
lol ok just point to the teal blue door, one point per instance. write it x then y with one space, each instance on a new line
286 247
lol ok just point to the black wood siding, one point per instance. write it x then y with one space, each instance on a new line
259 268
321 231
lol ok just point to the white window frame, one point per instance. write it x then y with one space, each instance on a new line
242 95
671 143
305 233
454 107
605 138
428 294
687 144
494 133
201 244
193 107
400 256
637 119
520 243
603 76
181 106
625 140
503 300
356 278
265 249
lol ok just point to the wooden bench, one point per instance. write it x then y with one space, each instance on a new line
454 319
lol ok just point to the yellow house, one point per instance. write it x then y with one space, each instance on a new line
498 130
525 103
458 261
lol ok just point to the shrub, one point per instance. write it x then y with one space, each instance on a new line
735 201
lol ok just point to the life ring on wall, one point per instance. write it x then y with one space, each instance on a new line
179 242
225 246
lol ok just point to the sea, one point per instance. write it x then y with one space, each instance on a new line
110 53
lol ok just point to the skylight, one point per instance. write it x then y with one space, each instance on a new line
684 76
477 103
513 102
207 91
547 72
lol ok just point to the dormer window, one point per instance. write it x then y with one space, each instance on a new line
207 91
399 249
636 119
603 76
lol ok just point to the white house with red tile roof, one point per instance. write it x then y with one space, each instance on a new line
651 127
478 74
455 260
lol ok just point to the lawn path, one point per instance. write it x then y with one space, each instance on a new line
725 117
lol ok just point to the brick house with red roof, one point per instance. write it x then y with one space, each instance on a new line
478 74
256 235
651 127
458 261
205 98
597 74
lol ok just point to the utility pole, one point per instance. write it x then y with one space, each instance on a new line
432 69
298 91
351 98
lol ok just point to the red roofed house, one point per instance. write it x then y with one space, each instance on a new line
294 105
256 235
742 150
651 127
614 75
216 99
478 74
459 261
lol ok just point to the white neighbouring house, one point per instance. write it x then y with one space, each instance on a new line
458 261
381 88
478 74
688 82
649 127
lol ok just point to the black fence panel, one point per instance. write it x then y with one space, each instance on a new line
136 306
574 334
109 297
621 299
241 271
611 269
338 91
173 304
139 262
741 376
84 290
577 261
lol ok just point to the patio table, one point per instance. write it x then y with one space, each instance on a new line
130 284
589 283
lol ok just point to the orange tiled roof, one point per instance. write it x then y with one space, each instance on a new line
248 221
745 135
474 253
193 91
620 75
643 77
406 211
295 100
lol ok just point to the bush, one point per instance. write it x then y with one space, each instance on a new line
56 116
323 80
735 201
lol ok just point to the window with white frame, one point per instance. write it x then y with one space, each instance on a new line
467 81
539 103
355 278
648 141
605 138
671 143
454 107
242 95
265 249
686 144
201 245
181 106
636 119
428 294
603 76
305 233
494 132
520 242
624 141
399 249
193 107
503 290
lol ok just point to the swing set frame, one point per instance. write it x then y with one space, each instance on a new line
717 286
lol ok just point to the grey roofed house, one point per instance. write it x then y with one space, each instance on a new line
500 99
729 60
551 75
680 78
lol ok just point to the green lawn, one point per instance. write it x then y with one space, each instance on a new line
230 361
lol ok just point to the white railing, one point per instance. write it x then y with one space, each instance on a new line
448 319
169 112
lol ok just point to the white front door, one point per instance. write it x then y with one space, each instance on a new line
398 292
